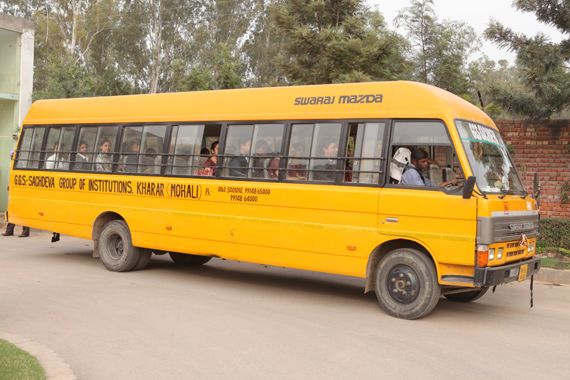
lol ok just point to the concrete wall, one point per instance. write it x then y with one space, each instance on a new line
16 79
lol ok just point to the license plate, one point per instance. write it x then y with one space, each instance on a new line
523 271
514 272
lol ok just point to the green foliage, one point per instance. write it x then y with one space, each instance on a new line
555 233
439 49
261 49
554 263
17 364
112 47
542 64
66 79
335 41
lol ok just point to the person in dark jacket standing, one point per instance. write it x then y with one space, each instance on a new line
10 230
10 226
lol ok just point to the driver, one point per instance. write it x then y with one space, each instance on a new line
413 175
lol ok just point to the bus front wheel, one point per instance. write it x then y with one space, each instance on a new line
116 248
188 260
405 282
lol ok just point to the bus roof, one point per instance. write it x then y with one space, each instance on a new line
371 100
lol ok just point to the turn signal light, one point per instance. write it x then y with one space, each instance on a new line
482 256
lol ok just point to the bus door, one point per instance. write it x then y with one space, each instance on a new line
424 202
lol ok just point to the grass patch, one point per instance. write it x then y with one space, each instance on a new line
552 262
18 364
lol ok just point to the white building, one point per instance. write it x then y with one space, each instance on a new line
16 79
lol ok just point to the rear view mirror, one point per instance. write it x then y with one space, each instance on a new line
468 187
535 186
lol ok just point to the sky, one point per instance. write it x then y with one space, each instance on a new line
478 14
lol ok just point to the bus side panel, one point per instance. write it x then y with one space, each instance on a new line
445 224
315 227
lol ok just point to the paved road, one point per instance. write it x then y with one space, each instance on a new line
231 320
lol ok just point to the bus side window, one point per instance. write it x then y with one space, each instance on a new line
299 150
266 148
208 159
58 148
184 148
130 150
24 150
152 146
431 150
237 152
324 152
105 145
36 148
364 152
86 149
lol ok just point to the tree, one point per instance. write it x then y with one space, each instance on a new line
262 47
73 49
439 50
327 41
542 63
484 75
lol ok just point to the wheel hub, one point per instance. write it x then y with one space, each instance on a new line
403 284
116 246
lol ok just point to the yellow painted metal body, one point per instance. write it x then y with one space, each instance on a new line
327 228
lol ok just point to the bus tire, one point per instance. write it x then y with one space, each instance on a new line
116 247
405 282
469 296
188 260
144 259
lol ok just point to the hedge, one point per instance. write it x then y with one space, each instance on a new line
555 233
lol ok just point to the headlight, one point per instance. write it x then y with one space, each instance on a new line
500 254
491 254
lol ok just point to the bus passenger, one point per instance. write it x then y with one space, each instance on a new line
326 170
81 160
259 162
297 166
149 163
132 159
103 161
273 167
212 161
56 160
239 164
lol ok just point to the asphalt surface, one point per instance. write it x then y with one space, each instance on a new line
230 320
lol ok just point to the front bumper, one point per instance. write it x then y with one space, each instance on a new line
491 276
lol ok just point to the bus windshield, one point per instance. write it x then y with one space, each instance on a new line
489 159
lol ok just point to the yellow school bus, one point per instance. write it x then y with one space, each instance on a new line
399 183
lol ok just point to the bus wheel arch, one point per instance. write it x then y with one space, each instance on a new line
98 226
385 248
112 226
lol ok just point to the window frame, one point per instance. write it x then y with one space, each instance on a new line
224 126
391 152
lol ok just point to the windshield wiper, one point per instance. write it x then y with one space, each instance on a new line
504 193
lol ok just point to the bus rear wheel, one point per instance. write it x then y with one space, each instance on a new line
469 296
188 260
144 259
405 282
116 247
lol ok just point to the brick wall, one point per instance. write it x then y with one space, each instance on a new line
542 147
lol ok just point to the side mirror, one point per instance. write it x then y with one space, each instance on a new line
535 186
468 187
